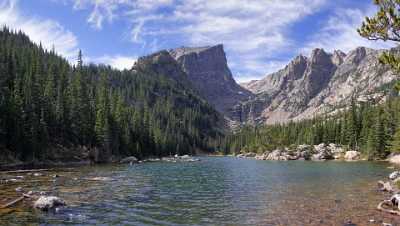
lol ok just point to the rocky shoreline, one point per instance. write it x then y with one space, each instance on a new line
392 187
320 152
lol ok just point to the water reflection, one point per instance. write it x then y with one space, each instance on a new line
215 191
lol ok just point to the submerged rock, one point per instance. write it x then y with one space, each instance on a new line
131 159
385 186
46 203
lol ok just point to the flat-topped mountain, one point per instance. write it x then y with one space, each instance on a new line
208 71
307 86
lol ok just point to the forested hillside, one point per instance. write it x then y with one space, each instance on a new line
51 110
371 128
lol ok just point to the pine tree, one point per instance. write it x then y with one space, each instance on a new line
384 25
395 144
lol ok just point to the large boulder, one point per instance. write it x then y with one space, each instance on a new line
304 147
336 150
261 157
320 148
306 155
322 155
250 155
395 159
352 155
394 175
275 155
131 159
46 203
395 199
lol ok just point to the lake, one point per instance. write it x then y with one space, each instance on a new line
214 191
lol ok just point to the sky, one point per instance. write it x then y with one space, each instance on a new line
259 36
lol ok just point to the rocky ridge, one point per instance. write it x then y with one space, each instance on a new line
208 71
308 86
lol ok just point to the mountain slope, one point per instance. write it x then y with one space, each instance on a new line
53 111
208 71
319 84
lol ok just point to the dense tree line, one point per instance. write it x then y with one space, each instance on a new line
373 129
48 105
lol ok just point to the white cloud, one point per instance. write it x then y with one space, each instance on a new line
340 32
48 32
255 33
117 61
250 30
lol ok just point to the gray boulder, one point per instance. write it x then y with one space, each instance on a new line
274 155
320 147
250 155
395 159
395 199
46 203
131 159
352 155
394 175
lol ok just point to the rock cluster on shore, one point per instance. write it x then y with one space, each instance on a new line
176 158
318 152
391 205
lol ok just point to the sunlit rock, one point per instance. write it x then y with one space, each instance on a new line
46 203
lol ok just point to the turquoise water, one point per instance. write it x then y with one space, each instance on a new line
214 191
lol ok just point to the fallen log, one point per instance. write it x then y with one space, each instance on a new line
25 171
389 203
15 201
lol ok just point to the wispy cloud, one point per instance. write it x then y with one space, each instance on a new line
48 32
340 32
117 61
251 31
257 35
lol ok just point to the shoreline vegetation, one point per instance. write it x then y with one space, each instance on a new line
51 110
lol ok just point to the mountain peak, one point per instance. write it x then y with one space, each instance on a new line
181 51
209 73
356 55
338 57
319 56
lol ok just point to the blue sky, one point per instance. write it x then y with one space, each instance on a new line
259 36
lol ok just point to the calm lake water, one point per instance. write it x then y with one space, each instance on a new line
214 191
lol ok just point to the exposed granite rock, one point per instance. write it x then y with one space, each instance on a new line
352 155
395 159
320 152
162 63
46 203
208 71
322 83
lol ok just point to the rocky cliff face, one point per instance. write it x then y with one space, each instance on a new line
208 71
307 86
322 83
